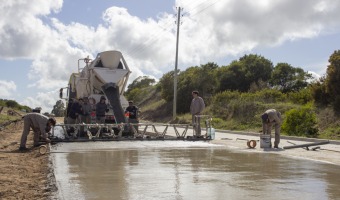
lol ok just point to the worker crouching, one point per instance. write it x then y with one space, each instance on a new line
41 126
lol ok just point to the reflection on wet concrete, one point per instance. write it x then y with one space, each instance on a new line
187 170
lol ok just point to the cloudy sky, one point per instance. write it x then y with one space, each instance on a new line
42 40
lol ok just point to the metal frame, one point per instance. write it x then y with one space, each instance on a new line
144 131
207 123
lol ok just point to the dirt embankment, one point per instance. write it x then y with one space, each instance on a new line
23 175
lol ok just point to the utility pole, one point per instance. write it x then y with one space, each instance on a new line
176 61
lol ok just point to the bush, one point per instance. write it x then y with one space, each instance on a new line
301 122
301 97
270 96
12 104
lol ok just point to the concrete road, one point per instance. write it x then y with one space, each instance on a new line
328 153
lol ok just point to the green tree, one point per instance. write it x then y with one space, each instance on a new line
12 104
319 92
141 82
288 79
248 70
167 86
205 79
58 109
232 77
333 80
137 88
201 78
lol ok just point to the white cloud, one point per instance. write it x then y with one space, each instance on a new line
7 89
211 30
315 76
22 31
45 100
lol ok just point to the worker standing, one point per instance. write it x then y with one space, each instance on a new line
196 108
85 117
40 124
132 113
101 108
75 111
269 118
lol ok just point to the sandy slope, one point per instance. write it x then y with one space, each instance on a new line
23 175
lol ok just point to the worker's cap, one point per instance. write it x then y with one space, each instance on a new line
80 99
102 97
130 101
85 98
264 117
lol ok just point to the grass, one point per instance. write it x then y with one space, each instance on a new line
153 105
332 133
5 118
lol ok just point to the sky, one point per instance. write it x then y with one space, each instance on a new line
42 40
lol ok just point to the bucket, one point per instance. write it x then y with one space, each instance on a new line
211 133
265 141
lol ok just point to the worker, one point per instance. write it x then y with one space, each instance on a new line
41 126
85 117
196 108
269 118
74 112
101 108
132 113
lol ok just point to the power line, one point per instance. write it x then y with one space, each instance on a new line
205 8
154 37
157 35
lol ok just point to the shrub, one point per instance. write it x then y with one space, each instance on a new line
270 96
301 122
301 97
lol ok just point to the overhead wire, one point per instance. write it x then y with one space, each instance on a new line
151 39
154 37
167 26
205 8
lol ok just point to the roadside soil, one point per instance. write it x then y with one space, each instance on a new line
23 175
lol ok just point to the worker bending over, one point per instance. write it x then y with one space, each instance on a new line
269 118
41 126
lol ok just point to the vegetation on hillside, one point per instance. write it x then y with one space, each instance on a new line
237 94
14 105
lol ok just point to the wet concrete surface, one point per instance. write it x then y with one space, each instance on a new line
221 169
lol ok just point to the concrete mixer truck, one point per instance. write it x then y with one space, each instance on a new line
106 75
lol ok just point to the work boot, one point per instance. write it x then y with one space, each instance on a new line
23 149
37 145
45 140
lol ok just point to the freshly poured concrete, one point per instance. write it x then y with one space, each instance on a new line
189 170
